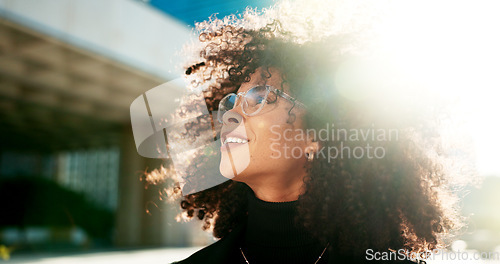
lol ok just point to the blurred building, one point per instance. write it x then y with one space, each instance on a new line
69 71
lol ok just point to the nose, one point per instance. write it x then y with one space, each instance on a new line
231 118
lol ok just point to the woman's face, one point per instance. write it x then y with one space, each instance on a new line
263 147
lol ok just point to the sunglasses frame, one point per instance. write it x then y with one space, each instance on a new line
243 94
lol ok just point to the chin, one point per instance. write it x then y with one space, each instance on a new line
232 166
226 171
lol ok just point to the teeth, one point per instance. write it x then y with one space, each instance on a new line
235 140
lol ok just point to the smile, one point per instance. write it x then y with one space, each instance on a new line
235 140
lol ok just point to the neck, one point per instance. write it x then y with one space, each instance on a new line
277 189
274 223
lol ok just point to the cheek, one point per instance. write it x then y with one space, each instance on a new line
261 125
265 130
286 142
273 134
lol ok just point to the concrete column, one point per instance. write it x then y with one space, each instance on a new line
130 193
153 218
135 226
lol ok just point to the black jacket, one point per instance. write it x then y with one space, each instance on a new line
226 251
223 251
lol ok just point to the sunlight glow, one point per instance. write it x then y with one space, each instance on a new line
452 48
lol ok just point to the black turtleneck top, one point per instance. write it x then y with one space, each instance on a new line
270 235
273 236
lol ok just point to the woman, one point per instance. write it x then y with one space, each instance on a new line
294 194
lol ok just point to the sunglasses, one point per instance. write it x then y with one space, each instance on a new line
253 100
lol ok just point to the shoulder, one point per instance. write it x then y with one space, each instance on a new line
205 254
223 251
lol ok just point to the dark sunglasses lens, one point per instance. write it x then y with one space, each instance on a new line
255 97
228 102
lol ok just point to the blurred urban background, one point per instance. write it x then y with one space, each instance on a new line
70 176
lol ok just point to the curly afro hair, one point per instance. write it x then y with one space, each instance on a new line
401 201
